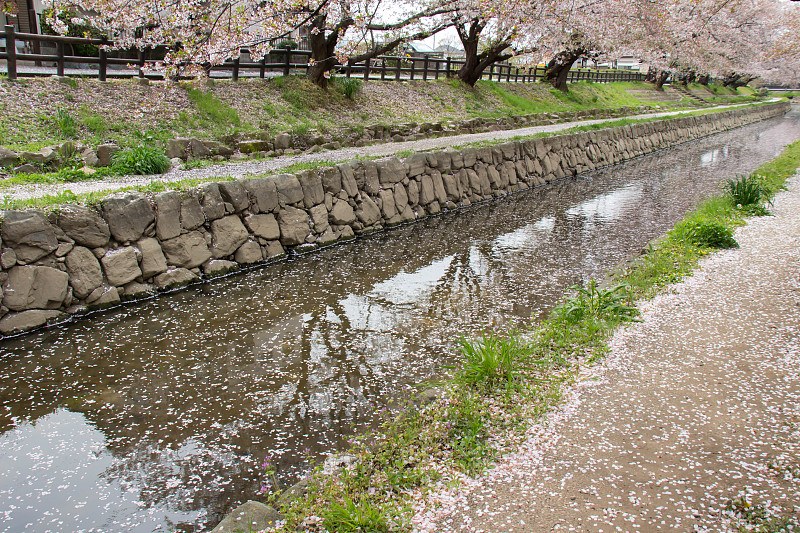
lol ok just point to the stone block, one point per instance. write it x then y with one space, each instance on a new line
283 141
288 188
348 179
212 202
85 274
177 148
388 207
426 192
128 215
319 216
400 197
26 321
121 266
29 234
368 212
168 215
218 267
192 216
264 226
153 261
248 253
264 193
187 251
253 145
391 171
234 193
228 234
105 154
83 225
294 225
313 192
8 158
342 213
250 516
35 287
331 180
174 278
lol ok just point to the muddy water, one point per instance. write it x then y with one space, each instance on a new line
156 417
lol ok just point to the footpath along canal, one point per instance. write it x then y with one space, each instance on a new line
156 417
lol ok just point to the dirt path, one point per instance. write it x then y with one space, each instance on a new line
694 407
249 168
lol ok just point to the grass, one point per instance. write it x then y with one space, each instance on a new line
212 109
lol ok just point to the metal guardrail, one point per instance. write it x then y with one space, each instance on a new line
281 60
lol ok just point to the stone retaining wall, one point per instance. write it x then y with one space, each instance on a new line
130 245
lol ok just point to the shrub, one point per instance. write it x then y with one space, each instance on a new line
748 190
706 233
140 160
349 87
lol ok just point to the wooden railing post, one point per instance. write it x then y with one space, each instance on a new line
366 69
397 70
383 69
491 71
140 63
235 69
287 60
448 68
262 66
413 66
103 68
11 52
60 60
425 68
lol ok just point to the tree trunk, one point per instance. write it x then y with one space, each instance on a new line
558 68
704 79
469 71
660 79
322 52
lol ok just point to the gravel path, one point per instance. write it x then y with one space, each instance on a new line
249 168
695 406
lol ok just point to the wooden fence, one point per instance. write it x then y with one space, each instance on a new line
110 63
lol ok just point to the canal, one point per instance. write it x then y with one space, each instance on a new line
156 416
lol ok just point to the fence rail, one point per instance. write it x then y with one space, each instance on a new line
280 60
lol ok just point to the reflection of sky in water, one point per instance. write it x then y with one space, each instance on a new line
54 477
157 415
611 206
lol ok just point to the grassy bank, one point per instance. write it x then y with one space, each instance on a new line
39 112
506 382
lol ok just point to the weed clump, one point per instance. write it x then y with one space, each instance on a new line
66 124
140 160
706 233
749 194
349 87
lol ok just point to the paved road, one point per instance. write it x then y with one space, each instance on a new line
250 168
695 407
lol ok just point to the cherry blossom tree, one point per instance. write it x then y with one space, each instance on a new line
352 32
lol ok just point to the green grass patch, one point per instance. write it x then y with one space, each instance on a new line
211 108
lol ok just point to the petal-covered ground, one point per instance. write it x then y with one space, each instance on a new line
692 423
